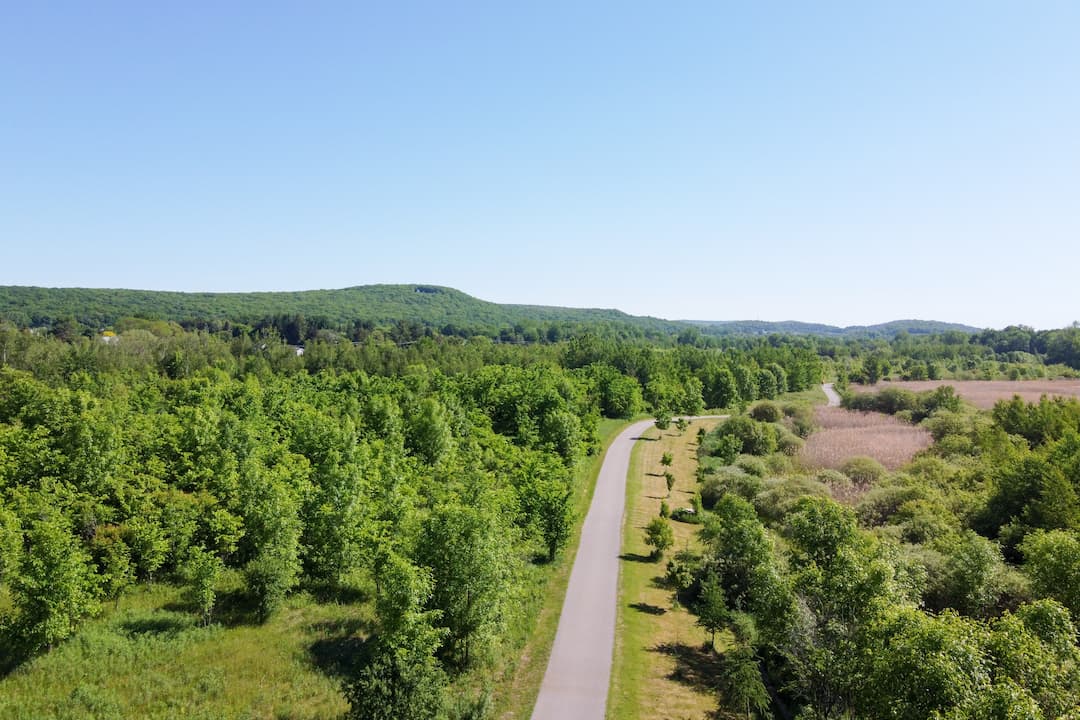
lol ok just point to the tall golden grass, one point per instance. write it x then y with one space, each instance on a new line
984 393
845 434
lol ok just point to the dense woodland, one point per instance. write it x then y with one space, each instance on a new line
431 477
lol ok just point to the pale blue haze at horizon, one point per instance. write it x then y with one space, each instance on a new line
828 162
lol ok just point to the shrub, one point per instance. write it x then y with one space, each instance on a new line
755 438
863 470
833 477
882 502
780 495
752 465
729 480
765 411
787 442
665 511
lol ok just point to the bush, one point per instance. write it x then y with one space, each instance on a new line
755 438
665 511
787 442
882 502
724 447
833 477
863 470
765 411
729 480
686 515
751 465
780 495
800 419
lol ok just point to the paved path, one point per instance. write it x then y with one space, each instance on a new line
576 683
834 397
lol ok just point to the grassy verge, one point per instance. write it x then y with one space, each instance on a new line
659 669
814 396
515 698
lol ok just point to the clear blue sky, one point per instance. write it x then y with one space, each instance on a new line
841 162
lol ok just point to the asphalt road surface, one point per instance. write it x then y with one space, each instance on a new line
575 685
834 397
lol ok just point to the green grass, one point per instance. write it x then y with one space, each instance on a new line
150 658
516 697
814 396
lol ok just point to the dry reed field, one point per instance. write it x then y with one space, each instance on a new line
984 393
844 434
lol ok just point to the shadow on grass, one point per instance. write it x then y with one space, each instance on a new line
634 557
340 651
648 609
648 439
696 666
339 594
159 625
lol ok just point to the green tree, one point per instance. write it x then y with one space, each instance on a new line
659 536
711 607
11 541
473 569
55 587
202 571
741 684
663 419
1052 560
429 434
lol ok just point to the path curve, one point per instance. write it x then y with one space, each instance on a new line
834 397
575 686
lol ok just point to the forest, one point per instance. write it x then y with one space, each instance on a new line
430 483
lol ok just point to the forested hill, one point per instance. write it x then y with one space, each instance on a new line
793 327
379 305
432 306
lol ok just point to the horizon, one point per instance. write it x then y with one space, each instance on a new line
847 162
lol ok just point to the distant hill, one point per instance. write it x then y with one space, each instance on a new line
380 305
794 327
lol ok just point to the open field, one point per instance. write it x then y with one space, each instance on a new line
984 393
844 434
660 670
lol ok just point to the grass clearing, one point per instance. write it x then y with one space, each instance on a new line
516 696
660 669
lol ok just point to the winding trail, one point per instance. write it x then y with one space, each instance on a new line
834 397
575 686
